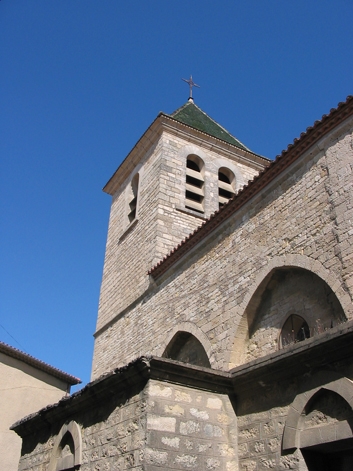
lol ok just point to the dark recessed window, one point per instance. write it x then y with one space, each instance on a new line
133 198
295 329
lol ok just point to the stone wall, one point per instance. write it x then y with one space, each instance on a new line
158 414
189 429
293 222
262 413
291 292
127 424
162 221
113 436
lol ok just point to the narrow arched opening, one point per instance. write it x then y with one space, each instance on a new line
323 428
133 194
226 185
67 449
66 453
186 348
194 186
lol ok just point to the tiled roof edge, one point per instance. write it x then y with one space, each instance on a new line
161 114
244 149
178 109
241 145
40 365
277 166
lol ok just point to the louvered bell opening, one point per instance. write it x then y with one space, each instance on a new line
225 189
225 193
132 213
194 193
192 165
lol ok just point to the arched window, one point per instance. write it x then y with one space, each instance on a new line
67 449
133 193
226 185
318 422
188 349
295 329
194 189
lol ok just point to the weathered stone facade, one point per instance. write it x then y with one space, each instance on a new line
160 414
147 423
261 292
302 219
162 220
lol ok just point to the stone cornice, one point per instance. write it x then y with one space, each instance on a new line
133 375
321 351
333 345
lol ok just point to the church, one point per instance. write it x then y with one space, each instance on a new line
225 326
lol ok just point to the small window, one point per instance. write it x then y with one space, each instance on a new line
133 198
294 330
226 185
194 189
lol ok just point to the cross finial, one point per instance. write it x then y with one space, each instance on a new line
191 84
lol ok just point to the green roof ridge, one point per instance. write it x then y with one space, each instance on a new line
193 116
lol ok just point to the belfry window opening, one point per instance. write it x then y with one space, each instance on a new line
194 188
226 183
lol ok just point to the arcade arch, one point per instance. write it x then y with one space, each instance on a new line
188 344
320 424
284 291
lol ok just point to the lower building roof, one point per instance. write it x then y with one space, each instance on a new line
40 365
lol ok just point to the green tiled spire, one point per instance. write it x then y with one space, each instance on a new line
193 116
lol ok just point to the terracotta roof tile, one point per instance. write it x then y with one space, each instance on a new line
40 365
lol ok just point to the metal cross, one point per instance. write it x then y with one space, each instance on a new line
191 84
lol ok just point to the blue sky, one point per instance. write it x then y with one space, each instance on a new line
80 82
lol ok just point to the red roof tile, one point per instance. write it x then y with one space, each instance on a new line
40 365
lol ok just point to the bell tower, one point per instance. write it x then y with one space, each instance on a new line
183 169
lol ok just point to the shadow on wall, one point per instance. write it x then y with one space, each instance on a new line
186 348
290 305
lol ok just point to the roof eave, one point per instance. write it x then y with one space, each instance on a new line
264 160
149 138
133 157
38 364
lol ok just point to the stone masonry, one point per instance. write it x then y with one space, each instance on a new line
157 414
149 425
302 219
162 219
